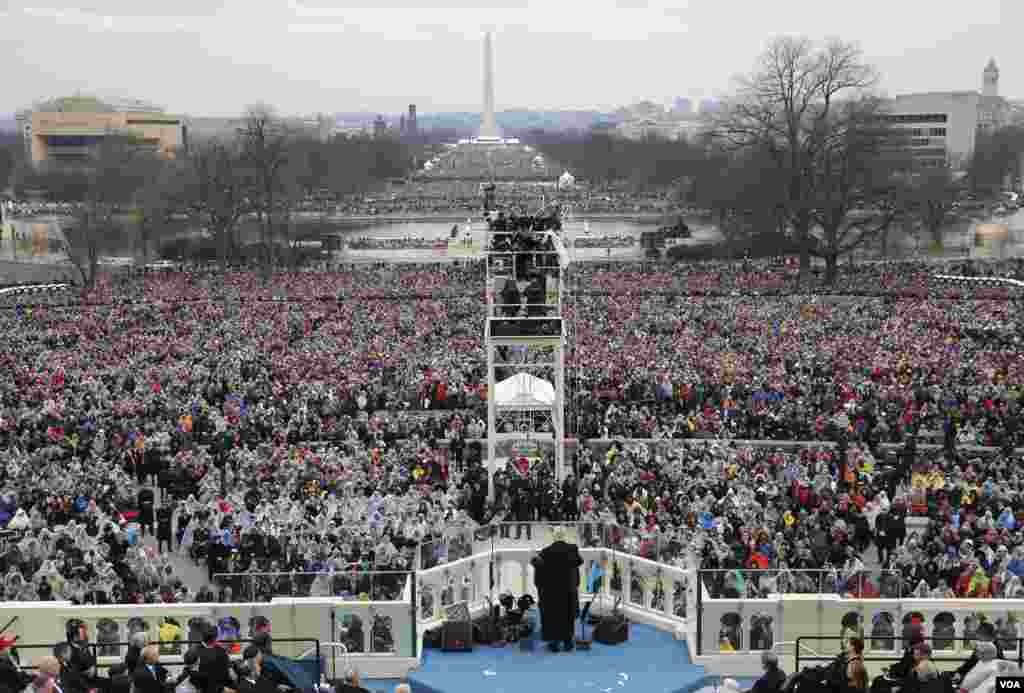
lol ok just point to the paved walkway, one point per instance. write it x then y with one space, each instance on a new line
190 574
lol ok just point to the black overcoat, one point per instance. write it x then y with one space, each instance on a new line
557 577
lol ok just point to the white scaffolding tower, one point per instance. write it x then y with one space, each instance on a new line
526 342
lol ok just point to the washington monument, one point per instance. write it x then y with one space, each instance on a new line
488 123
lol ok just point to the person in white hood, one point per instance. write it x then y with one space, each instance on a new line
987 666
20 521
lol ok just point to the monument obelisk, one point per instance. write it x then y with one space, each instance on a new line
488 123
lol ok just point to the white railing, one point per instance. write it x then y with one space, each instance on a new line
952 625
980 280
727 635
665 593
297 624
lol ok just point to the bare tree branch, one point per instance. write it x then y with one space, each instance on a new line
266 141
111 181
787 106
215 192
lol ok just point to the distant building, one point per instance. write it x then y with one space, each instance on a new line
682 107
941 128
66 131
350 130
644 110
319 127
710 106
672 130
411 126
649 119
205 128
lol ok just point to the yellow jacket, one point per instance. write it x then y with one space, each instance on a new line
169 634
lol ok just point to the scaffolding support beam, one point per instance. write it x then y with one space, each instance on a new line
536 322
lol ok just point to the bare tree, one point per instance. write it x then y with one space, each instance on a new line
931 194
852 182
787 105
304 174
215 190
111 180
996 156
742 200
265 141
155 203
11 154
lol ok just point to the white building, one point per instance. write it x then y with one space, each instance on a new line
318 127
941 127
661 128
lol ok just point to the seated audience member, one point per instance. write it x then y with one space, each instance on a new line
924 677
772 678
897 674
251 676
136 643
986 634
149 676
70 679
350 684
213 663
856 680
47 673
12 678
987 666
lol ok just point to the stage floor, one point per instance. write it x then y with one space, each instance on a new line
651 661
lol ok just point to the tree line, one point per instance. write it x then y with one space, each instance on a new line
125 193
603 158
802 150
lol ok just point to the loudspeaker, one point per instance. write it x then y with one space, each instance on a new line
457 636
612 630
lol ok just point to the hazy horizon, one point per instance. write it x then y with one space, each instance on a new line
214 58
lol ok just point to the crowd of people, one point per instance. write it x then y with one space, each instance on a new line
418 242
29 209
606 241
423 243
206 665
454 197
342 411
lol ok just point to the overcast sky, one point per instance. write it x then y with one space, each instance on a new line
212 57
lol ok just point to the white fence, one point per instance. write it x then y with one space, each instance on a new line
657 592
732 631
725 635
296 626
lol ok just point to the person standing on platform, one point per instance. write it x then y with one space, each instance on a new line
557 577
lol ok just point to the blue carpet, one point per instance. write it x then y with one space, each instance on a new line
651 661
